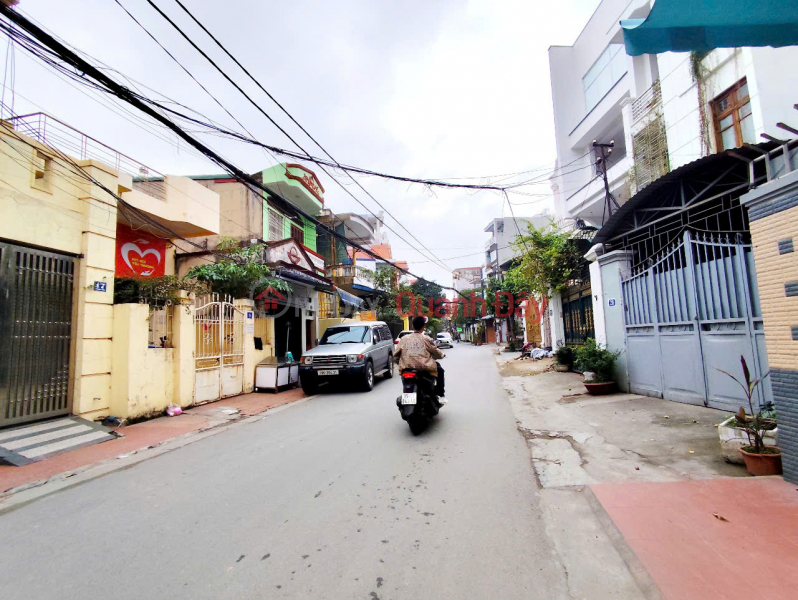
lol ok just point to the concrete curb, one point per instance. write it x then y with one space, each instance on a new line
13 500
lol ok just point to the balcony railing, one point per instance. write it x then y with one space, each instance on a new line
341 271
648 101
57 134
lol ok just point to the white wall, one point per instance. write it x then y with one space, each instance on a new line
503 239
771 88
575 126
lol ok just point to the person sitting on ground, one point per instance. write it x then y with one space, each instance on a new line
418 351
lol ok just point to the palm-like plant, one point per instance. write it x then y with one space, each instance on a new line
755 425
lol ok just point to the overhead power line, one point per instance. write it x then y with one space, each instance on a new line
54 48
284 132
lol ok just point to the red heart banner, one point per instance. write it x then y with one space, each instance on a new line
139 254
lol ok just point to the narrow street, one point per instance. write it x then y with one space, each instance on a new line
332 498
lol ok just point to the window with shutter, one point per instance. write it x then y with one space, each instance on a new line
298 234
275 226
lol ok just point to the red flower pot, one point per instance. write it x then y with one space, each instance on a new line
599 389
763 464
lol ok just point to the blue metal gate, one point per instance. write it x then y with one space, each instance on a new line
692 312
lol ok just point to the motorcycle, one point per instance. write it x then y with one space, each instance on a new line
418 403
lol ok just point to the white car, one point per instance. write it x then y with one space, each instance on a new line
406 332
444 340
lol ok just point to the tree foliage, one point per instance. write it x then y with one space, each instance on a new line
155 291
549 259
241 272
426 289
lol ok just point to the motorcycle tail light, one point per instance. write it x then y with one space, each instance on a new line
409 375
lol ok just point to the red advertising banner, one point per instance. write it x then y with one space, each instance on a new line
139 254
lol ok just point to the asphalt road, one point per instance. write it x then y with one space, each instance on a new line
333 498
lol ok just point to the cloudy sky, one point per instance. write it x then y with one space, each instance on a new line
443 89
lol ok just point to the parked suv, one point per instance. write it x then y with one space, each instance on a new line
354 353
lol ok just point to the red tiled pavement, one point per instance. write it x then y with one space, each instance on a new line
690 554
256 403
140 435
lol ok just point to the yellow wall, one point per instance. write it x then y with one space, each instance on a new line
143 378
264 329
112 370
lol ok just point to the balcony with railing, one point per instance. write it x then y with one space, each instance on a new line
179 204
77 145
649 101
352 278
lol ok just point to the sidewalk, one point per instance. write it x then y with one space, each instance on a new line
692 555
651 472
144 435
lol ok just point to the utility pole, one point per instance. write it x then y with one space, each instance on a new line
603 152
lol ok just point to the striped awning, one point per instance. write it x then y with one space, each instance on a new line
348 298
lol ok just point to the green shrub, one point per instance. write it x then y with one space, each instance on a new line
565 355
596 358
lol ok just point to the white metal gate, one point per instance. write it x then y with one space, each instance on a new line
219 351
695 311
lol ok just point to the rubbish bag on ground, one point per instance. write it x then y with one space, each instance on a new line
173 410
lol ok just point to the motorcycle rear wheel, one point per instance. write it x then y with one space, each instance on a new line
417 424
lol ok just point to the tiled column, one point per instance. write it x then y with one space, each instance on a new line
93 312
773 214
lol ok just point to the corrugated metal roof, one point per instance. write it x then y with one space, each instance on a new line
648 196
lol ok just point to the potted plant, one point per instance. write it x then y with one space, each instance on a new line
733 436
565 358
760 458
597 364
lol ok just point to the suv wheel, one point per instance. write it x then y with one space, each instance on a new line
389 372
368 379
310 388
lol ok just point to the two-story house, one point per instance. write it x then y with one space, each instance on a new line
75 224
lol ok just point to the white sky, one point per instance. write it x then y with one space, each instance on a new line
425 89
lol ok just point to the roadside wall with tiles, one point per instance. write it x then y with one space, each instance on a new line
773 214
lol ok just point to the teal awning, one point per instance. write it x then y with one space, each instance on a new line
703 25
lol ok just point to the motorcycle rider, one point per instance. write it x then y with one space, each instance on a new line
418 351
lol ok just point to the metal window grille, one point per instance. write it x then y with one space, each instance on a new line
262 329
327 305
160 335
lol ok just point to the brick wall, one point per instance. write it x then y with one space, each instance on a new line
774 233
776 271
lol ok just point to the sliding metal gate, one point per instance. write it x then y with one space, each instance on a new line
219 352
693 312
35 332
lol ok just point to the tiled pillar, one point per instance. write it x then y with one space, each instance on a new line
93 312
773 215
